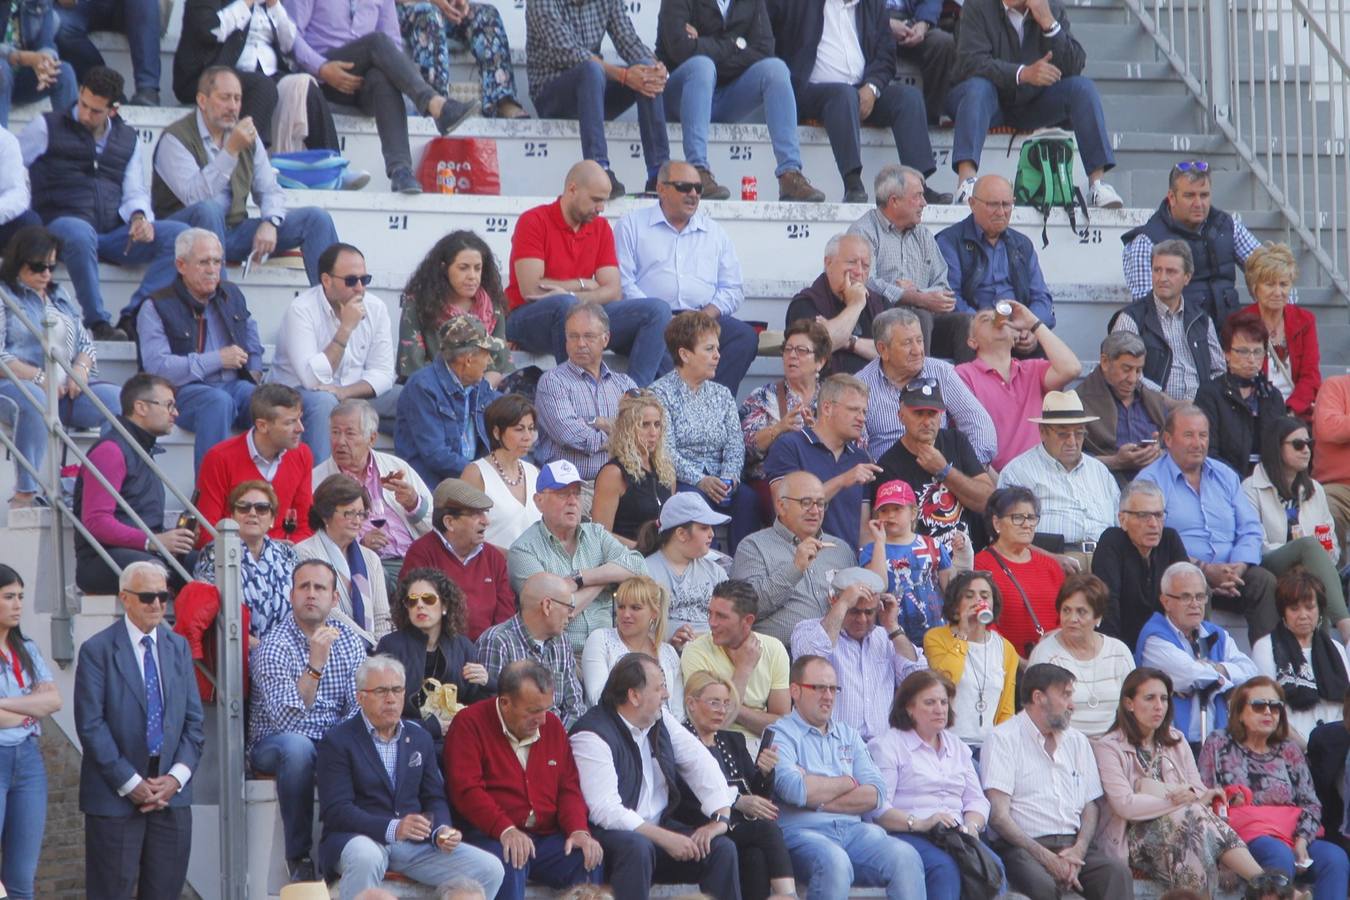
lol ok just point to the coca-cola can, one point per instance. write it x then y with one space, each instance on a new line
749 188
1323 534
445 177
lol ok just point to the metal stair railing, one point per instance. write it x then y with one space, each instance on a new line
1288 147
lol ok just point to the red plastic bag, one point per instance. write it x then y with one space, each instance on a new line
473 162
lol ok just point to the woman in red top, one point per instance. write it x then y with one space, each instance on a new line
1028 578
1293 361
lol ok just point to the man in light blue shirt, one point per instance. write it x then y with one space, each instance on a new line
825 782
675 252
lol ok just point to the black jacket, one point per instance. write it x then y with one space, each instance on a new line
409 646
198 48
748 19
987 47
1132 581
797 26
1234 432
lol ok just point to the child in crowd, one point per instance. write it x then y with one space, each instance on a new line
915 566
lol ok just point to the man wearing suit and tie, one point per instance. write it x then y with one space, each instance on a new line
382 799
140 724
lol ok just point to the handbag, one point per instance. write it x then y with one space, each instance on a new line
981 877
472 163
442 701
1252 821
1026 601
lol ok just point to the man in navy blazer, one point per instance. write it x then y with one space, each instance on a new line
382 798
139 719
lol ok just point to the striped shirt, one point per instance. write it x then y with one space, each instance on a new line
964 412
1182 378
566 400
911 255
1079 503
508 641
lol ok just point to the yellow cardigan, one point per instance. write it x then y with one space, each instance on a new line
947 654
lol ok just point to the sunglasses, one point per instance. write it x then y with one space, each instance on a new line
1266 705
352 281
1300 444
148 597
685 187
413 600
262 507
638 392
40 268
1193 165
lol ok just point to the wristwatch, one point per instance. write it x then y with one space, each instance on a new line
275 221
578 581
725 820
876 91
741 44
909 822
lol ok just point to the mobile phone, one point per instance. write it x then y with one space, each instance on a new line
767 741
1147 442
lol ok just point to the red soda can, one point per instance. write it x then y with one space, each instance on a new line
749 187
1323 533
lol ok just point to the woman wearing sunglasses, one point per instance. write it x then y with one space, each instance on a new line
1256 753
26 281
429 640
266 566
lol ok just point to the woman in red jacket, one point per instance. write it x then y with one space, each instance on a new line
1292 357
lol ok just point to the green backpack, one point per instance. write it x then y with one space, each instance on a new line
1045 179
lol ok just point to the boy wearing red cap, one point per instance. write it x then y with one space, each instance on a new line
916 567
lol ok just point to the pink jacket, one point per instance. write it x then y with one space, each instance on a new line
1119 767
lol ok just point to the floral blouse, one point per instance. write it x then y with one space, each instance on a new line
1278 777
760 411
267 581
705 431
416 349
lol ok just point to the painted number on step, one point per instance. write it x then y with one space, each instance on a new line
942 156
632 7
536 149
635 151
398 223
495 225
1091 236
742 152
798 232
519 4
146 135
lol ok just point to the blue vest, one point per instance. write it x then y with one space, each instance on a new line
177 311
1215 647
1213 285
73 179
1158 354
613 730
141 489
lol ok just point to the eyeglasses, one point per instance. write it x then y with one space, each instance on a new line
1193 165
1263 705
1024 518
262 507
685 187
1147 515
148 597
561 602
1000 205
382 692
352 281
354 515
167 404
1065 434
1189 599
40 268
717 705
790 350
830 689
1248 352
1301 444
413 600
809 503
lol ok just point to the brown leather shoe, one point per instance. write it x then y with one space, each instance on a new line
794 188
711 189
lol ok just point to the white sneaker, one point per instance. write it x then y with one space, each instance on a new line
964 192
1102 196
355 180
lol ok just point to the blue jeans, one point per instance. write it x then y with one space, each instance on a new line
83 248
637 328
290 757
694 99
974 107
138 19
38 22
837 856
212 412
23 811
1330 870
585 94
30 431
309 228
364 863
549 865
941 875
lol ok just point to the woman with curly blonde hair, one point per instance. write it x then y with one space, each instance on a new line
631 487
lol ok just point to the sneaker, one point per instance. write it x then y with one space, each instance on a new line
301 869
452 114
616 188
144 97
104 331
404 182
964 192
937 199
1102 196
354 181
855 195
649 189
794 188
711 189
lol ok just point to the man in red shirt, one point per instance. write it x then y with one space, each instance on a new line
562 254
512 778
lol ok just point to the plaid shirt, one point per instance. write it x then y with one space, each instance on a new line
1183 379
1137 259
561 34
566 398
504 643
276 666
964 412
911 254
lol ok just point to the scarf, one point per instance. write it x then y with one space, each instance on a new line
480 308
356 563
1304 685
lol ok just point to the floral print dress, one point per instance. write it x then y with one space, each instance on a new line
427 34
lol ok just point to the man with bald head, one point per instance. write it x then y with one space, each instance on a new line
562 253
537 633
841 298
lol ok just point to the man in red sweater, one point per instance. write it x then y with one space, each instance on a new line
455 546
512 778
270 451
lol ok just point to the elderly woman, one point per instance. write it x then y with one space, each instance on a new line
1158 813
930 777
765 867
340 507
26 279
631 487
639 627
1293 361
1241 404
682 561
1099 663
1308 664
266 565
457 277
433 28
429 640
1028 578
705 441
1255 761
982 664
505 474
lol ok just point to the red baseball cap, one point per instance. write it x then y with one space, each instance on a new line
896 492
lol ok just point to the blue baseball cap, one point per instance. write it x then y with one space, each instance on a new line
557 475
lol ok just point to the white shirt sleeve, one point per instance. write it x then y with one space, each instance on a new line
600 783
378 371
698 768
231 19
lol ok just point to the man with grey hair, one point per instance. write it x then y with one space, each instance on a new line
1131 558
841 298
1181 345
199 334
1129 414
460 889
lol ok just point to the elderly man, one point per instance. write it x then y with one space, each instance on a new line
562 254
455 545
1129 414
1181 346
1220 527
635 759
675 252
841 298
756 664
303 677
367 829
1078 495
198 333
400 508
829 450
1131 558
209 162
825 782
901 361
1013 390
1203 659
862 638
440 428
1041 779
335 345
787 563
511 774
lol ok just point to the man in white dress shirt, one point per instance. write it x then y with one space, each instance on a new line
634 760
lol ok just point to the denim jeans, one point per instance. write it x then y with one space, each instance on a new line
212 412
309 228
364 863
23 810
900 107
1330 871
82 248
30 432
694 99
317 406
837 856
941 875
637 328
549 865
290 757
38 23
138 19
584 93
